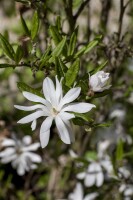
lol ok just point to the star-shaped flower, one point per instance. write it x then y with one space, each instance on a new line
20 154
54 107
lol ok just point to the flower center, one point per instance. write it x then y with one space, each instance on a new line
18 150
54 112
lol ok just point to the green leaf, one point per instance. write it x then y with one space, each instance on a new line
83 116
24 87
102 125
84 85
72 43
90 46
19 54
54 33
100 67
58 68
72 73
119 150
25 27
58 23
7 65
34 25
91 155
102 94
7 48
45 57
93 43
58 50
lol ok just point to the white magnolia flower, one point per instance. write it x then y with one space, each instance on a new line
127 191
94 175
20 154
78 194
99 82
54 107
124 172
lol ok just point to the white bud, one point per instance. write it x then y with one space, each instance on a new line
99 82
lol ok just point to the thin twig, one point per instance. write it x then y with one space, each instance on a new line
122 10
81 8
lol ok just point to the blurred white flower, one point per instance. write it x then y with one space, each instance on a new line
130 99
78 194
118 114
99 82
127 191
94 175
102 148
124 172
19 154
54 107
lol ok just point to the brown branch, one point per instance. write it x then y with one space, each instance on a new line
81 8
122 11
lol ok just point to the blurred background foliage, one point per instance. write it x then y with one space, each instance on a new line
109 24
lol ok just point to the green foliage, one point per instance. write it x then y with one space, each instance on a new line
89 46
7 47
25 27
72 73
19 54
58 50
90 155
7 65
24 87
119 150
54 33
34 25
73 41
49 42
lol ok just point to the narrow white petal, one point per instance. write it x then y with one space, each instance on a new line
81 175
69 128
129 191
8 159
90 176
70 96
21 169
49 91
33 125
91 196
33 157
45 131
33 166
8 142
99 179
59 92
44 138
29 108
63 130
32 147
46 124
99 175
34 97
78 192
79 107
7 152
90 180
27 140
31 117
66 116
